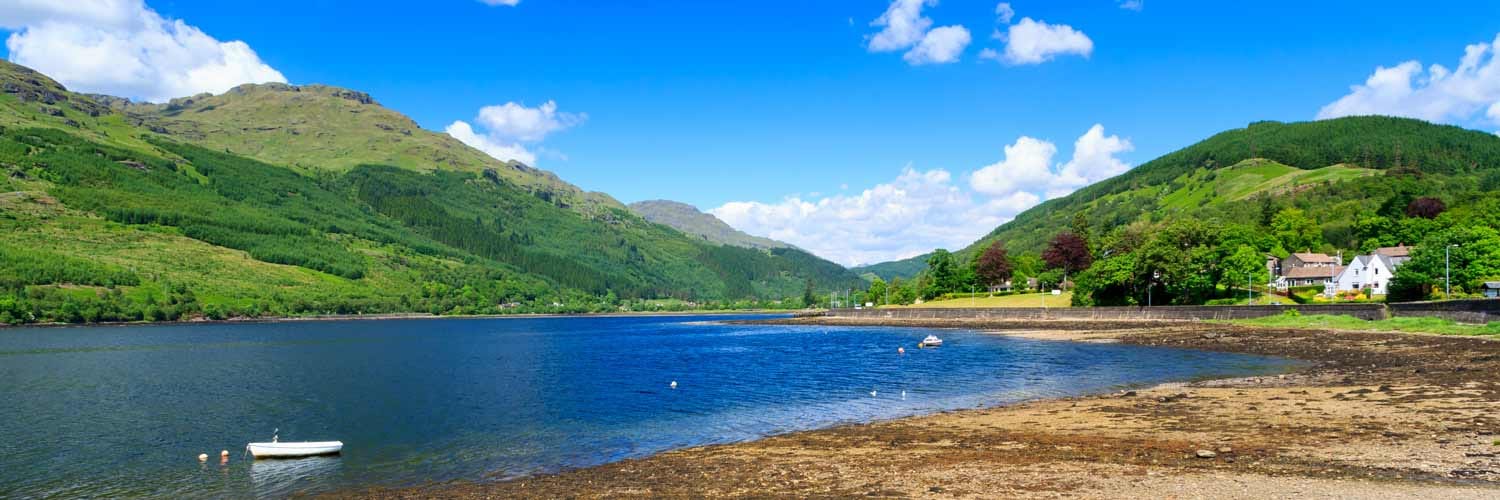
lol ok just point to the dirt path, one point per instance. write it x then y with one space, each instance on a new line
1375 416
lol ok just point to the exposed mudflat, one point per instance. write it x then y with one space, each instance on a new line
1374 415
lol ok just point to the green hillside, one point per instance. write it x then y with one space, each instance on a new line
904 269
690 220
1348 145
107 219
319 127
1203 217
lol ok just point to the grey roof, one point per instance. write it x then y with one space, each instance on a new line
1492 284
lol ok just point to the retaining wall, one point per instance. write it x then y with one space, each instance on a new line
1362 311
1478 311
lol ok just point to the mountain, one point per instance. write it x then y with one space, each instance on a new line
118 211
904 269
1338 170
1289 163
320 127
686 218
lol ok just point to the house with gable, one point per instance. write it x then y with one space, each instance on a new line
1305 269
1370 273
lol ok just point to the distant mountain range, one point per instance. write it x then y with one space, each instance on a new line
688 219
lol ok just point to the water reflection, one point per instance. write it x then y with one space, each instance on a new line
281 477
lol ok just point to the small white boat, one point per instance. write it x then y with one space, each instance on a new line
278 449
931 341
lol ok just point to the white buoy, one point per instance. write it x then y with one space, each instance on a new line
903 395
900 350
674 384
202 457
872 394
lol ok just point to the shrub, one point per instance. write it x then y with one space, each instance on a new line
1291 313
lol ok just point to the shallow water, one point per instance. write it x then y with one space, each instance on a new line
124 411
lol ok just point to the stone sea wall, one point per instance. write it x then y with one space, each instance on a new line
1362 311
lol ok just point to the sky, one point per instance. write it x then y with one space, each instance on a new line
861 130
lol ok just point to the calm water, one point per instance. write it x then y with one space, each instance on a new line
124 411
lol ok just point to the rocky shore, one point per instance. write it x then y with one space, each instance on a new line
1373 415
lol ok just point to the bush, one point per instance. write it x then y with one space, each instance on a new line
1291 313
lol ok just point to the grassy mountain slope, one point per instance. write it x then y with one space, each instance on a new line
1286 161
1337 170
319 127
690 220
108 219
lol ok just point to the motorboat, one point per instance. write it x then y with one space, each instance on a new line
278 449
931 341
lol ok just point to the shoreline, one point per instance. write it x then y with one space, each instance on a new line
1370 415
394 316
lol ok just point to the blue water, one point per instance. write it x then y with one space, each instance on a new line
124 411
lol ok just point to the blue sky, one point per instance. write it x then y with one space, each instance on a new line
789 108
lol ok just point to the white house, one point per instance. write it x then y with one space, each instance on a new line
1371 273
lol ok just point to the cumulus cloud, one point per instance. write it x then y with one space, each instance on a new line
923 210
911 215
511 126
1036 42
940 46
1466 95
903 27
498 149
1004 13
497 3
1028 166
1135 5
122 47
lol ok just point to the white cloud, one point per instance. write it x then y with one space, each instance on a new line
500 150
989 54
903 25
518 122
1135 5
913 214
1003 13
511 126
1458 96
1093 161
923 210
122 47
1036 42
496 3
940 46
1028 166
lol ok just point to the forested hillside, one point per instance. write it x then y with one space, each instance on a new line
109 217
1202 218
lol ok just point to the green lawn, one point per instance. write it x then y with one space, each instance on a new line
1020 300
1437 326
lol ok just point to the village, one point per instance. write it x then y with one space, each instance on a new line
1363 278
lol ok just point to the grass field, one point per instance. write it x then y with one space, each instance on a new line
1248 178
1437 326
1022 300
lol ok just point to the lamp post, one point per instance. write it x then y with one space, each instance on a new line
1447 272
1151 287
